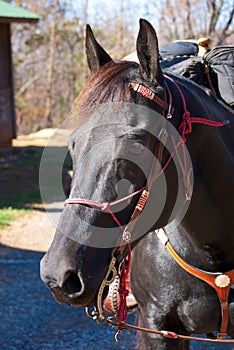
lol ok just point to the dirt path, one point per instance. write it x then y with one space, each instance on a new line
33 231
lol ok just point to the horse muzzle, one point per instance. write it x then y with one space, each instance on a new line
67 287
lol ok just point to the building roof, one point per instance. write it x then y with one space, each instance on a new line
10 13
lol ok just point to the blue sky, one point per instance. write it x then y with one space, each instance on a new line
111 8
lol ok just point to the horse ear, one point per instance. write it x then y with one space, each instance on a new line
96 55
148 53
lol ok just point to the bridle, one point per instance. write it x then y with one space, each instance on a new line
121 256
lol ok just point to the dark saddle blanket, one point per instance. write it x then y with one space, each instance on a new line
215 70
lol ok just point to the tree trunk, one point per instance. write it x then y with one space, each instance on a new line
85 65
50 68
189 27
120 31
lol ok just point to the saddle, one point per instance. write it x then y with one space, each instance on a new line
213 69
220 64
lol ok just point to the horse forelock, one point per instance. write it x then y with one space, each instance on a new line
108 84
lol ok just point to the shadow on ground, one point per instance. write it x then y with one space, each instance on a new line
32 320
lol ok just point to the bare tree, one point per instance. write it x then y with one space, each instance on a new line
120 29
226 32
84 20
52 48
195 18
189 33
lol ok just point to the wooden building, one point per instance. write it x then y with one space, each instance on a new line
8 15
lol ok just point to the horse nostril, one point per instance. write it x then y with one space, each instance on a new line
74 284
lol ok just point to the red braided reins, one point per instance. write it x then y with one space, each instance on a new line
123 291
187 121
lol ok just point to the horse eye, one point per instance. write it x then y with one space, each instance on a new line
136 148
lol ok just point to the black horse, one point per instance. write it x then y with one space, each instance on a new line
113 151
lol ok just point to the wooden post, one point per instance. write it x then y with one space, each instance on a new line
7 105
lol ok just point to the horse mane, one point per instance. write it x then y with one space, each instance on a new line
108 84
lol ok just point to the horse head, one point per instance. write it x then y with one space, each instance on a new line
113 151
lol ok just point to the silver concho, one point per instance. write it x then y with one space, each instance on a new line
222 281
126 236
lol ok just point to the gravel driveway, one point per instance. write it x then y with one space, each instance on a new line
31 319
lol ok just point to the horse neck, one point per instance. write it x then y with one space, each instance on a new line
208 223
211 148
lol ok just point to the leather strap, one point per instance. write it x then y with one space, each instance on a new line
167 334
221 282
143 90
153 176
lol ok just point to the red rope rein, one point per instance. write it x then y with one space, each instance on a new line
123 291
187 121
